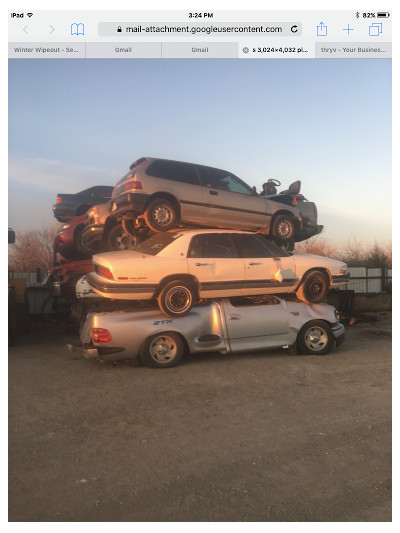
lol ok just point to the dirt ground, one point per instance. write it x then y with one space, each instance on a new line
253 437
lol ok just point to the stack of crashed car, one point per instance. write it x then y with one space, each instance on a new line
213 255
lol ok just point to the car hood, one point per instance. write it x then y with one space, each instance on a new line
315 260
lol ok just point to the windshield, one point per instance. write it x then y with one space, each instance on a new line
157 242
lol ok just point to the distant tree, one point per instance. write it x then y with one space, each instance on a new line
317 246
354 253
32 249
376 257
387 248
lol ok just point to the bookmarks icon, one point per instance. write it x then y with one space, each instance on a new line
77 28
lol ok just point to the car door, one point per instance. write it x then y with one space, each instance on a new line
268 269
182 181
213 260
230 202
256 325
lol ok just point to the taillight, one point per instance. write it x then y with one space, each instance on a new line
133 185
95 214
103 271
100 335
59 200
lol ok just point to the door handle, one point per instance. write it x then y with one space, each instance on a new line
252 263
203 264
234 317
214 193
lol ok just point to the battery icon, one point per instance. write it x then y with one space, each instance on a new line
383 15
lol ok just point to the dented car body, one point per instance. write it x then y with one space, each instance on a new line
209 264
225 326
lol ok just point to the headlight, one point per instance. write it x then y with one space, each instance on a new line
343 270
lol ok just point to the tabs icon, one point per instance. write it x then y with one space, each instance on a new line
375 29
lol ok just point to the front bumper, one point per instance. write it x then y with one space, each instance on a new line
339 333
92 232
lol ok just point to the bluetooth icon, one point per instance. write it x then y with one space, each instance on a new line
357 14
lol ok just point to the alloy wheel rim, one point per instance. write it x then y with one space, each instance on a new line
316 338
284 229
162 215
163 349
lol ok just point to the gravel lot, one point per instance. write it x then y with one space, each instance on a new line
256 437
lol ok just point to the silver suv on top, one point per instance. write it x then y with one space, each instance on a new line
160 194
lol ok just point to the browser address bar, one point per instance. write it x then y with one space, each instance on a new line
176 29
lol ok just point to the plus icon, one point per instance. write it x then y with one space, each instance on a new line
348 29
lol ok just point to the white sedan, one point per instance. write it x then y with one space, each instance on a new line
180 267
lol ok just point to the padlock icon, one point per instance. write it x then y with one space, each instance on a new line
119 29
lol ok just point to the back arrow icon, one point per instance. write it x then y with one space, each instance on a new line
25 30
52 29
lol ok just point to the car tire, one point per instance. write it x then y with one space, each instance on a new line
314 287
282 229
119 239
161 215
163 350
315 338
83 249
176 298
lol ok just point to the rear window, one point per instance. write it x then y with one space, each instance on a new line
157 242
172 170
120 188
256 246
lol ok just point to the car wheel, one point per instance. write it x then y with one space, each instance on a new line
84 247
176 298
315 338
119 239
283 228
314 287
161 215
163 350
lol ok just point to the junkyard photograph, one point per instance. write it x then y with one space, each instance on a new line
200 290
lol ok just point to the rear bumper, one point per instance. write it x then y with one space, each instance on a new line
129 203
307 232
98 352
93 232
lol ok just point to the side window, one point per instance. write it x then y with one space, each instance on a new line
222 180
252 246
171 170
195 247
213 245
251 301
218 245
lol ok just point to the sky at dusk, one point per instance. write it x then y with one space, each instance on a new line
78 123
